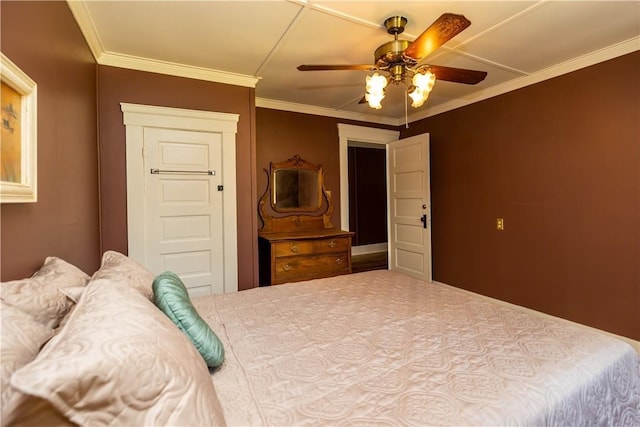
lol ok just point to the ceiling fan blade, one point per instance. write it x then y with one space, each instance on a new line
441 31
337 67
457 75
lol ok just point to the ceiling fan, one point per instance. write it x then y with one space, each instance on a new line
400 58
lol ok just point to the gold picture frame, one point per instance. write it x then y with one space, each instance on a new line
18 146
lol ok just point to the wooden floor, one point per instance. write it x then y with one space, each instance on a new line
366 262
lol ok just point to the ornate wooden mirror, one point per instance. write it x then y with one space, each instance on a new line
297 198
296 188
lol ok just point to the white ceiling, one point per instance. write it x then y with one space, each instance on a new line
260 43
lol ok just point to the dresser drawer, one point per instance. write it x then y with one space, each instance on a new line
312 266
293 247
337 244
308 247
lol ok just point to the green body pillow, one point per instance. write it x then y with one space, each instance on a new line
172 298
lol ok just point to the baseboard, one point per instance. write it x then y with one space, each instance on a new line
369 249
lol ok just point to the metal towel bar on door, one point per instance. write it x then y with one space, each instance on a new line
159 171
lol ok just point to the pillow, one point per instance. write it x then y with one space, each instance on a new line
22 337
39 296
116 266
29 411
73 292
120 361
172 298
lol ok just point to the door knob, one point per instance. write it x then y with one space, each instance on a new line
423 218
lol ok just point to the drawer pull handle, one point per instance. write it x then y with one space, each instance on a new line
294 248
332 244
286 267
339 261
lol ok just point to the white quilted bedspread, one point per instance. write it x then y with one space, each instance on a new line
380 348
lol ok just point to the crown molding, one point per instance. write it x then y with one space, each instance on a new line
322 111
88 28
575 64
175 69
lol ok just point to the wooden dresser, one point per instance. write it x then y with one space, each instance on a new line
303 255
297 240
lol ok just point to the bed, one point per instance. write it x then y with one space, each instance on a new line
376 348
381 348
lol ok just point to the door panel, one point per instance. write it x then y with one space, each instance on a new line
187 153
179 191
406 234
410 262
405 207
183 207
183 155
410 199
195 262
186 227
408 181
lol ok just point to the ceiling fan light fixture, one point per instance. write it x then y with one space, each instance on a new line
418 97
374 94
424 80
374 101
422 84
376 83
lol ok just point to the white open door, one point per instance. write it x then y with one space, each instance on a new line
410 206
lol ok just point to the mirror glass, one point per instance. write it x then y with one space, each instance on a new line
296 190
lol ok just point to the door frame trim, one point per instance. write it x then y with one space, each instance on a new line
352 135
135 118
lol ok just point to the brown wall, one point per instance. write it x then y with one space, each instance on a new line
282 134
560 162
42 38
116 85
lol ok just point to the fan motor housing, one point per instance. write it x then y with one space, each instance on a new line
390 53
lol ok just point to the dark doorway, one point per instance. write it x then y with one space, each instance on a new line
367 195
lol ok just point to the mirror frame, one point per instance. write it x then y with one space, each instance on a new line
294 219
296 163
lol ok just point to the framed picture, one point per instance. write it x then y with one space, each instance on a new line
18 156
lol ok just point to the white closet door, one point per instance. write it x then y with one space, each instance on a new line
183 215
182 218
